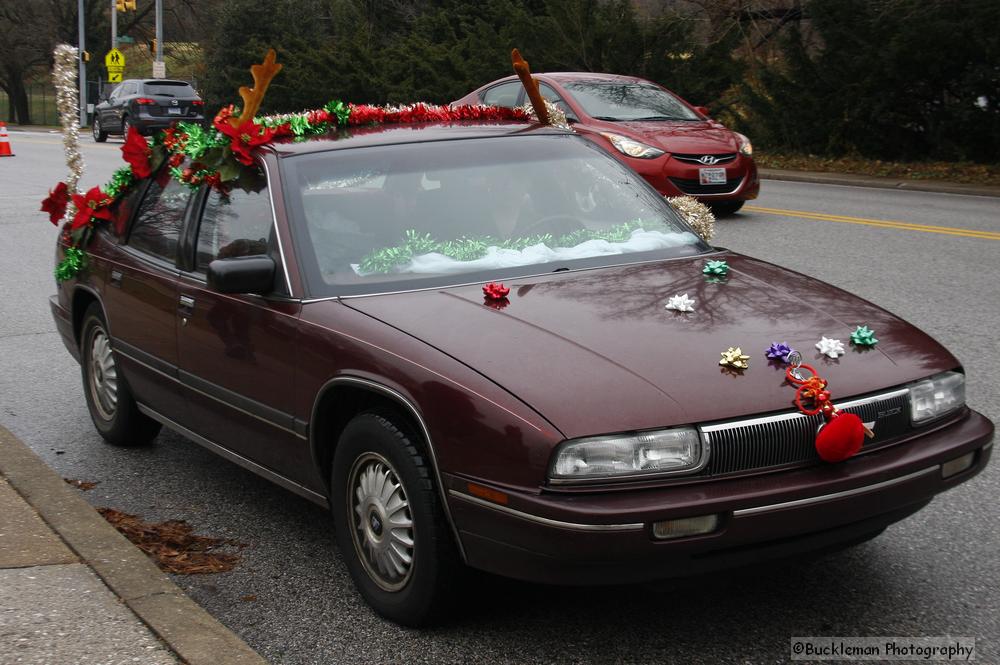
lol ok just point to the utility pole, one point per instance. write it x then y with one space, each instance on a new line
159 36
83 66
114 24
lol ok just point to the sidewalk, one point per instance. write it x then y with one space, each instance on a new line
852 180
75 591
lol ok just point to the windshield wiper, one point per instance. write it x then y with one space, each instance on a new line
658 117
607 117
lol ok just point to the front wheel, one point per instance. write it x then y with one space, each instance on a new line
389 524
99 134
725 208
112 407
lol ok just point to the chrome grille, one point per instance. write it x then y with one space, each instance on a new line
788 439
696 159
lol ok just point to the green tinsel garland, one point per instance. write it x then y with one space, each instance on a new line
472 248
120 181
74 260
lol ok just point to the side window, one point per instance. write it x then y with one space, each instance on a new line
549 93
161 214
239 223
505 94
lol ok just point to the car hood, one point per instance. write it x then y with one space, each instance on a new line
682 137
596 351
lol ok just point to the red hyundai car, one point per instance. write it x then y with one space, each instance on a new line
675 146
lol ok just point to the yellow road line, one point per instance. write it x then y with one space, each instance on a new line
881 223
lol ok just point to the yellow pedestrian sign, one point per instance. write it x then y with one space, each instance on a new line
114 61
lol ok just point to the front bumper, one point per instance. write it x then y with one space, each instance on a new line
672 177
574 538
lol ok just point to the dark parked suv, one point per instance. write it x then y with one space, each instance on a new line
147 105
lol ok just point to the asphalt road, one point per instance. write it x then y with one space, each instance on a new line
937 573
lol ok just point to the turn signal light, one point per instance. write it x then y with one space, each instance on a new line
687 526
197 102
487 493
957 465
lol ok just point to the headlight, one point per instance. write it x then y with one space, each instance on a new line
632 148
629 455
936 396
746 147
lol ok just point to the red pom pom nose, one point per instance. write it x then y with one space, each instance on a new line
840 438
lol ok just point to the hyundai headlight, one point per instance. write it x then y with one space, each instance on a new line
746 147
634 455
936 396
631 147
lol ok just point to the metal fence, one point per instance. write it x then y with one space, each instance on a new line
42 102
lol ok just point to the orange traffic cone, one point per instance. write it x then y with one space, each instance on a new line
5 150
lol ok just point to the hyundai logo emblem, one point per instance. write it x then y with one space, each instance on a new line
174 102
708 159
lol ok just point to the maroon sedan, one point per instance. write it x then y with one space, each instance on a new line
675 146
324 325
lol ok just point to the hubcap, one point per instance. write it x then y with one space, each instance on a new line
103 375
382 522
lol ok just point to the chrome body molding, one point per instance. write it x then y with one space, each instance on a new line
236 458
402 401
558 524
836 495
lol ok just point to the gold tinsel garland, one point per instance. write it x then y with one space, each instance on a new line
64 78
697 214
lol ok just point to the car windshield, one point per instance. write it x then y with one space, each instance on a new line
439 213
169 89
606 100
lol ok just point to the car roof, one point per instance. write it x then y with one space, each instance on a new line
392 134
567 77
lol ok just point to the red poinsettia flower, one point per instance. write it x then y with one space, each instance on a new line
244 137
56 202
92 205
137 152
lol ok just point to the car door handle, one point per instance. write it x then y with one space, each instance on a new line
116 278
186 309
187 302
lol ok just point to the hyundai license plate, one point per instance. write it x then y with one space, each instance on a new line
712 176
174 110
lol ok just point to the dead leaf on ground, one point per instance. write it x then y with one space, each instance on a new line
81 484
172 545
249 598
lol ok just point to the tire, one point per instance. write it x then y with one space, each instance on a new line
373 447
100 135
725 208
109 400
125 126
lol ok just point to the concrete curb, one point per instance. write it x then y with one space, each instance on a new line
191 632
822 178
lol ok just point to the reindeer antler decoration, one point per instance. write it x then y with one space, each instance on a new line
530 86
252 97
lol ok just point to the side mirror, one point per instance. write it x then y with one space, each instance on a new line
571 117
703 110
242 274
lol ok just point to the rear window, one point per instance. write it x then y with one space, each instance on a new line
169 89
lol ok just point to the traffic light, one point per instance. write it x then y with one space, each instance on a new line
85 56
125 5
130 5
152 46
120 5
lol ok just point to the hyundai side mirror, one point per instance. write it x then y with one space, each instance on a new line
242 274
